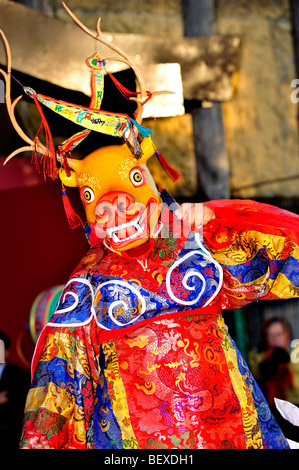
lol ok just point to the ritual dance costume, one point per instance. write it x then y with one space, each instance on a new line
137 354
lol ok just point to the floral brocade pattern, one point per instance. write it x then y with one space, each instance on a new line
175 378
138 356
161 386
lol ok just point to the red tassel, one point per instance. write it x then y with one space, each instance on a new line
149 95
49 160
65 164
124 91
64 156
72 217
173 173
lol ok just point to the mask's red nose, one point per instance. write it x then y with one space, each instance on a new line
115 209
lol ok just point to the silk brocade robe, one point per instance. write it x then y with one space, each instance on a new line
137 354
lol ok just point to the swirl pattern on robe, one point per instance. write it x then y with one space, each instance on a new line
139 356
192 280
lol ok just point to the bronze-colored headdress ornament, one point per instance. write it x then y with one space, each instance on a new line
91 118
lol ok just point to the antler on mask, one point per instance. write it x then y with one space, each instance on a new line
123 159
33 145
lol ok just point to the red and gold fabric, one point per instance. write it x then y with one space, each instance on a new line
145 360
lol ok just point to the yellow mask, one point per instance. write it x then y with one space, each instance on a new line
120 198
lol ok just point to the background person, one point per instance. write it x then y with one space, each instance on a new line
276 374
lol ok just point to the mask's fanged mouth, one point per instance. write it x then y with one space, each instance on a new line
126 232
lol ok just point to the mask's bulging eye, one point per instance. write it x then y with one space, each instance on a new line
87 195
137 177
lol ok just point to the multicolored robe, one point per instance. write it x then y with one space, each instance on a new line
137 354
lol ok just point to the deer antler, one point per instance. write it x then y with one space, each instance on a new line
39 148
36 145
123 58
